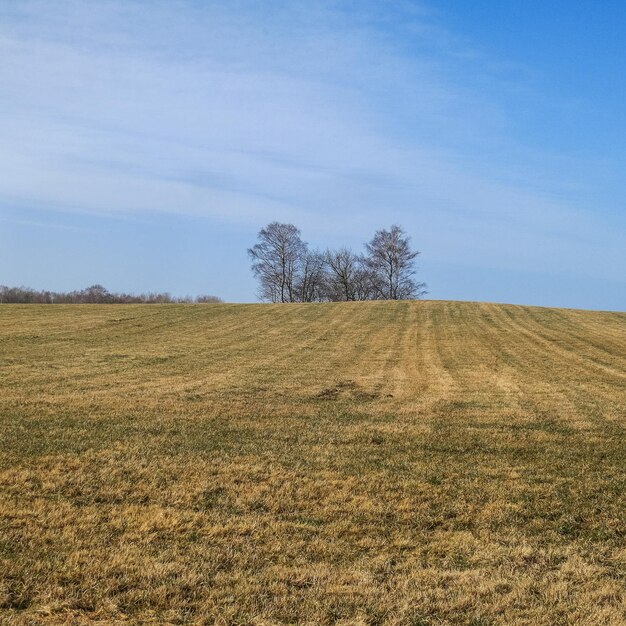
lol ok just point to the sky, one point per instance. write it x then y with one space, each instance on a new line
144 144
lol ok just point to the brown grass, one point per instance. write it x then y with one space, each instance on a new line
363 463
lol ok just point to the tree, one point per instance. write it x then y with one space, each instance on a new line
277 260
362 283
207 299
342 268
390 262
311 278
95 294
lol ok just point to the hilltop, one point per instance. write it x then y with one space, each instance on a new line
360 463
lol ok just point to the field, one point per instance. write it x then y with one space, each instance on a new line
410 463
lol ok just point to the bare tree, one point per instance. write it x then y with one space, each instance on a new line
343 267
96 294
362 282
390 262
311 278
207 299
277 260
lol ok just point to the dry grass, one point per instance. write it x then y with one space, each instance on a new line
368 463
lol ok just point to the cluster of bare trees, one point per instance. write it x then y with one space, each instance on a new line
96 294
288 271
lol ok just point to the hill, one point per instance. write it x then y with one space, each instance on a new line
361 463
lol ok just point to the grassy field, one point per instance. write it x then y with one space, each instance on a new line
418 463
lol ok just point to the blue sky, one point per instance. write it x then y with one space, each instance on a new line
143 145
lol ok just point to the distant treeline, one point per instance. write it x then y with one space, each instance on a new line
96 294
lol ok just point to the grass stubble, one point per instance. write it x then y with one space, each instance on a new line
417 463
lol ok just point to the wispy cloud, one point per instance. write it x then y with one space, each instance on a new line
40 224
